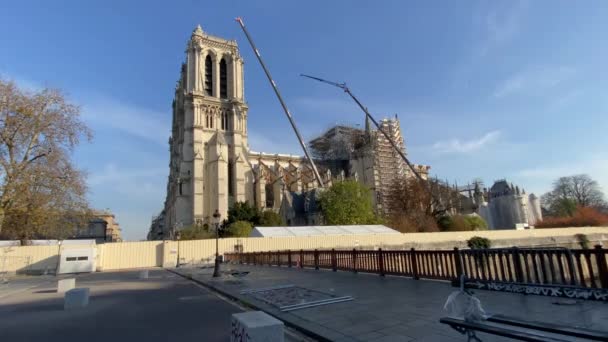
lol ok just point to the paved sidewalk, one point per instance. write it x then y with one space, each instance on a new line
390 308
17 284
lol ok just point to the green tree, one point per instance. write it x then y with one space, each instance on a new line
239 229
458 223
243 211
269 218
478 242
563 207
475 222
195 233
347 202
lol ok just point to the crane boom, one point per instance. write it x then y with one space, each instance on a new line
285 109
346 90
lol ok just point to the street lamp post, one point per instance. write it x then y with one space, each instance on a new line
178 236
216 220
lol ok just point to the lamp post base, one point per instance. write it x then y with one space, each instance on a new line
216 269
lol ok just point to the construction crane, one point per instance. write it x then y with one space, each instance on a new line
287 113
364 109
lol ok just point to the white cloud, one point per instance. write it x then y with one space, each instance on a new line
104 112
23 83
541 177
466 146
533 81
501 25
139 183
262 143
99 111
111 174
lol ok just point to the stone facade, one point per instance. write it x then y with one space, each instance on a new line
157 228
103 227
211 165
505 206
208 145
367 156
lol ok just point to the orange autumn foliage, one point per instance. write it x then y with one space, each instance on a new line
583 217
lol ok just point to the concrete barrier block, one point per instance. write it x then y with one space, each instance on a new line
256 326
76 298
143 274
65 285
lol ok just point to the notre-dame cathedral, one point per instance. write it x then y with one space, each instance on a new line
212 166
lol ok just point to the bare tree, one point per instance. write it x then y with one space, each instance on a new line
413 206
578 190
41 190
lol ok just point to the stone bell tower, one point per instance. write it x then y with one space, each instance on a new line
208 144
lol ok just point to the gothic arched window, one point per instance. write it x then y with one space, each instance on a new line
223 79
208 76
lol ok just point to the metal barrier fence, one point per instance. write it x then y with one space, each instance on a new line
582 268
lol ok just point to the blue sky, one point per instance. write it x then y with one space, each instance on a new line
483 89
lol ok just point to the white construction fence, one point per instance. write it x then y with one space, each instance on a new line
129 255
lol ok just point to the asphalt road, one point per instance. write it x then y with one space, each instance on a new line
122 307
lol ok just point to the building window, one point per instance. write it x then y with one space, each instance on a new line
269 195
208 76
223 79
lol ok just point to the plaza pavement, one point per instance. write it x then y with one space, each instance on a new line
122 307
389 308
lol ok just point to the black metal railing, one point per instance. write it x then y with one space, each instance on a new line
586 268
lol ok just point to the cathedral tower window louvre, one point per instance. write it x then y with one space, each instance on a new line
223 79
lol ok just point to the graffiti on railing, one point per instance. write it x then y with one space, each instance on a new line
553 291
494 269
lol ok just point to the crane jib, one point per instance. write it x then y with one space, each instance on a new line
283 105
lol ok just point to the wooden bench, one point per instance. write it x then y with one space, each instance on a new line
503 326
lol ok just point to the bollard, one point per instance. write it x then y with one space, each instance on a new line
143 274
65 285
76 298
256 326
